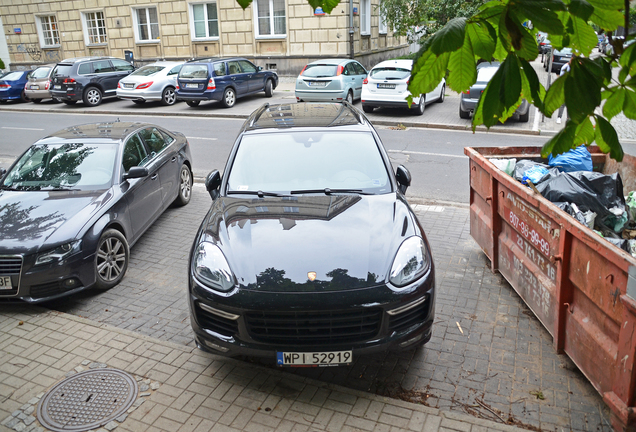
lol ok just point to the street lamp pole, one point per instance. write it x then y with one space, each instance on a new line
351 29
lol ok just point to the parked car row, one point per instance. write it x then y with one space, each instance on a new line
93 79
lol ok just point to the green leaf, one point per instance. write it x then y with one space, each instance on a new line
607 19
428 71
614 104
582 91
581 9
626 58
629 106
582 37
490 106
608 4
482 43
244 3
544 20
606 133
561 142
511 91
534 92
490 12
584 134
450 37
554 97
463 73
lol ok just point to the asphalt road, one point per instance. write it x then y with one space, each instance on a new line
435 157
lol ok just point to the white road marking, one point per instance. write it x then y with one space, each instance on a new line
17 128
203 138
427 154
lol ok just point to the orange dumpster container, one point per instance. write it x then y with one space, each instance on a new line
580 286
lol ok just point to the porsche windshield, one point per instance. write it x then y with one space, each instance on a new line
286 162
69 166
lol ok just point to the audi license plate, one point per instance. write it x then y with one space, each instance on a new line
196 86
329 358
5 282
35 87
317 83
386 86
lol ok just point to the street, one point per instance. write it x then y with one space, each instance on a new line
435 157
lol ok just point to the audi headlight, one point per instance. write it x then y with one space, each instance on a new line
410 263
211 267
58 254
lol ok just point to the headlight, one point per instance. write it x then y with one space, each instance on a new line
211 267
410 263
58 254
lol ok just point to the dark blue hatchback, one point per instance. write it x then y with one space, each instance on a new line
223 80
12 86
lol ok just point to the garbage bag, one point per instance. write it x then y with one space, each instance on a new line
590 191
573 211
536 172
577 159
621 243
631 204
505 165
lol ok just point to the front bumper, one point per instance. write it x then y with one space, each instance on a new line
48 282
260 324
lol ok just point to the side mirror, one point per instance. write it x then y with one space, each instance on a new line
212 184
136 172
403 177
2 172
260 68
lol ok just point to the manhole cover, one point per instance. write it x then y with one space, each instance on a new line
87 400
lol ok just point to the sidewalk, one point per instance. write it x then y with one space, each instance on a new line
186 389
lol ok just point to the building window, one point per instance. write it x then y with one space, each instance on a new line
206 21
270 18
94 28
382 27
48 31
146 24
365 17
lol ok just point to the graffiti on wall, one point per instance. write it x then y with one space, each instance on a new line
37 54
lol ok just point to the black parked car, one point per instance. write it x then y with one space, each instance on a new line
89 79
224 80
75 201
310 253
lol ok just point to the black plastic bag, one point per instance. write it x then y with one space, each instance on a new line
566 207
524 165
588 190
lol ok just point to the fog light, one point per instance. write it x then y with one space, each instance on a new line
71 283
215 346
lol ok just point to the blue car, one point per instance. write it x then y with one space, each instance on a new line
12 86
224 80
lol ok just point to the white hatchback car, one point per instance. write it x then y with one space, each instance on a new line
387 87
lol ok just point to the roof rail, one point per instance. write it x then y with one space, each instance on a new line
258 113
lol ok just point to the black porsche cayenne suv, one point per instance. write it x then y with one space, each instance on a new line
310 253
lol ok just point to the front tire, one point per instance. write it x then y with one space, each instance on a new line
419 110
269 88
70 102
193 103
185 186
92 96
229 98
111 259
442 95
168 96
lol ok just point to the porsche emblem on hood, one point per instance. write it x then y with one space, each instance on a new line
311 276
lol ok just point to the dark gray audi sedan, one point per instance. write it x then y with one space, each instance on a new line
73 204
310 254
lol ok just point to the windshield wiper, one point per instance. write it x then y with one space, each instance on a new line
260 193
58 188
9 188
328 191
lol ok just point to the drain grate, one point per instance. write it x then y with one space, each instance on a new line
87 400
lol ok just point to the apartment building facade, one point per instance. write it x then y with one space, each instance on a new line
276 34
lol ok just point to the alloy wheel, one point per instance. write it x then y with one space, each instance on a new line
111 259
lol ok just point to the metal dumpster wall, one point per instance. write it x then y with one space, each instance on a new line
574 281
